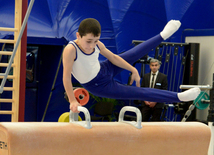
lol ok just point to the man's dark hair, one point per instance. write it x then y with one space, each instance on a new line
89 25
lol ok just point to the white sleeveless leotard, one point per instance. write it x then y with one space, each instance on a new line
85 66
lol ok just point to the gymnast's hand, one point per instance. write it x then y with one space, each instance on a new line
135 77
73 106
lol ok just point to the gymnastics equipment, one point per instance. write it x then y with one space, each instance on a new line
15 62
193 86
180 63
82 96
201 102
95 138
65 117
86 123
16 46
204 99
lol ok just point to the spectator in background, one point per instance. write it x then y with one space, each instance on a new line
152 110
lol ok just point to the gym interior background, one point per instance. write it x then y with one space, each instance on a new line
52 23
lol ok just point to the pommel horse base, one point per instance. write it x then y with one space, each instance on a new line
104 138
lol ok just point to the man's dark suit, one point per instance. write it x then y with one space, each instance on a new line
160 83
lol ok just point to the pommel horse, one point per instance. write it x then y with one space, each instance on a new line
104 138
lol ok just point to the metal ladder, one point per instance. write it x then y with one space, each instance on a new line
14 61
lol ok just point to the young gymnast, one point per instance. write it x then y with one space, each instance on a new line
80 57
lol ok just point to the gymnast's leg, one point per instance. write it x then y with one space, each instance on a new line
144 48
105 87
113 89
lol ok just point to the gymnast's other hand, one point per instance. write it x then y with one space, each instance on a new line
135 77
73 106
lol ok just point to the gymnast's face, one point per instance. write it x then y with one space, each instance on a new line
88 42
154 67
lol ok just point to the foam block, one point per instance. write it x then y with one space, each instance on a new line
104 138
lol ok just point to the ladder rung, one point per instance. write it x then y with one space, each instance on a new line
8 88
8 29
7 41
6 112
5 65
6 100
8 77
6 52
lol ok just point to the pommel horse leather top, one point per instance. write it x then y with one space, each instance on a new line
104 138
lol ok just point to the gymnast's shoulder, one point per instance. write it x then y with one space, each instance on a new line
69 51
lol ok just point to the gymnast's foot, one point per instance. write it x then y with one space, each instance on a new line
189 95
170 28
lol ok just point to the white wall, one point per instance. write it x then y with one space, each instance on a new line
206 65
206 70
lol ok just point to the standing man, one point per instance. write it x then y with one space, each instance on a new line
157 80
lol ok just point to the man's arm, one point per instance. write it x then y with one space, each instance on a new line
120 62
69 55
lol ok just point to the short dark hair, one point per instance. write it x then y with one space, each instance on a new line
89 25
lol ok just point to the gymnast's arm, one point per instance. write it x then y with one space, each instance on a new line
120 62
69 55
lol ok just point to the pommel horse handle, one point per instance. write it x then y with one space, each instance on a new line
192 86
87 123
137 123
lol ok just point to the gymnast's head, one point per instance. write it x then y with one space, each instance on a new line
89 26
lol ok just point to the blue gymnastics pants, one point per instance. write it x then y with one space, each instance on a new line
103 85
